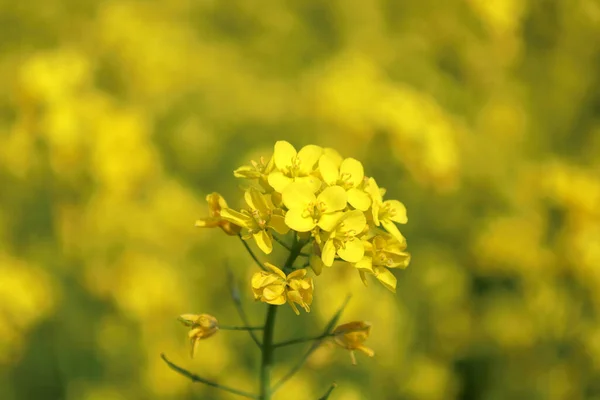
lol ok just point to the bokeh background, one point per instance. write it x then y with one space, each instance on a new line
117 117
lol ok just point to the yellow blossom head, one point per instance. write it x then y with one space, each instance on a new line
269 286
260 217
294 166
351 336
343 240
306 211
216 203
202 326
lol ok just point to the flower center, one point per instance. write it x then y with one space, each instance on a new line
261 220
314 210
344 180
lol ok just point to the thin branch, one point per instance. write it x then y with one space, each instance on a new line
288 247
196 378
328 392
303 340
256 260
328 329
235 295
240 328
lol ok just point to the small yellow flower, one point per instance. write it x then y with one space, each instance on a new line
293 166
257 170
216 203
349 174
261 216
383 252
342 239
351 336
273 287
306 211
385 213
269 286
300 290
202 326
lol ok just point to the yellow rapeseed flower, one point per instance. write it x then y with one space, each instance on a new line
261 216
273 287
343 240
216 203
351 336
300 290
202 326
383 251
306 211
349 174
257 170
385 213
269 286
292 166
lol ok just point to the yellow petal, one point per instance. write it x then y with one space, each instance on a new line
207 223
236 217
256 200
329 170
328 221
309 155
354 169
352 251
297 274
247 172
374 191
299 221
332 198
366 350
365 264
298 195
264 241
400 260
194 346
354 221
312 181
328 254
277 222
291 296
386 278
333 154
283 154
389 226
397 211
363 277
273 292
275 270
279 181
359 199
257 279
375 207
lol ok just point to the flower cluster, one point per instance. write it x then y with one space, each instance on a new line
274 287
327 200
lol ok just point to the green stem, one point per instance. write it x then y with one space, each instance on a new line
327 331
267 354
268 349
328 393
196 378
240 328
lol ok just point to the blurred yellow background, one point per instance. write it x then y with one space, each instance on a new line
117 117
